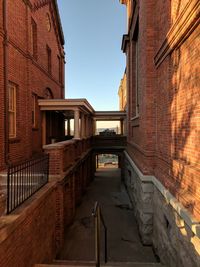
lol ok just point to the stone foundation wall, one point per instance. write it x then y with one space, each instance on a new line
141 195
173 239
162 220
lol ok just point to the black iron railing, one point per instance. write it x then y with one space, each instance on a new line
98 217
25 179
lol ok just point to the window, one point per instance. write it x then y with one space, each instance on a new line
49 59
59 69
34 102
48 93
48 22
33 38
136 70
12 110
136 79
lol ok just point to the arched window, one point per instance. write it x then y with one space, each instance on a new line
48 94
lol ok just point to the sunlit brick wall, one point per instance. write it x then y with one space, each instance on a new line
164 139
29 73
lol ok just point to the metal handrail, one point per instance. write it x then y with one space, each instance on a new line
25 179
98 217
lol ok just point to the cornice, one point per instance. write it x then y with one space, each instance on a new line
132 26
27 2
41 4
123 2
133 19
185 24
125 41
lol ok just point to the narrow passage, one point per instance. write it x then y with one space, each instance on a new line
123 240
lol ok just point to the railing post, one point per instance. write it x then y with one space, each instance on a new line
98 218
8 191
97 237
24 179
105 245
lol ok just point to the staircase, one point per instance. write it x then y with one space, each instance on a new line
100 259
89 264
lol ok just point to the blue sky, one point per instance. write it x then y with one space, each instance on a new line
95 64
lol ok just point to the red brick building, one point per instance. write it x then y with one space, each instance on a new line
162 50
31 68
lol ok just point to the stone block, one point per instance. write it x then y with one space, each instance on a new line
147 187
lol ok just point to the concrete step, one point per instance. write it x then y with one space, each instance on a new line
132 264
89 264
70 263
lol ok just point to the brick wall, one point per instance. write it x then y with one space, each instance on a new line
2 140
25 230
34 232
164 139
28 73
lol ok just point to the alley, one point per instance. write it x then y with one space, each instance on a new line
123 240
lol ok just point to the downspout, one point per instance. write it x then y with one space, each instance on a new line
5 57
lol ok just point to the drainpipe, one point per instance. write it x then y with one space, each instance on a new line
5 57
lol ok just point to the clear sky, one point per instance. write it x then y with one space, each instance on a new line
95 64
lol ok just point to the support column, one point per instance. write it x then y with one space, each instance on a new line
76 124
97 161
125 127
82 125
94 126
68 127
121 127
86 126
91 127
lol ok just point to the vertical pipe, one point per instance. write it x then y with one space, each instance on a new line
17 174
98 234
5 56
8 192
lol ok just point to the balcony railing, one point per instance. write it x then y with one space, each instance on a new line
25 179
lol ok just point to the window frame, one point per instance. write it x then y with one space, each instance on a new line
136 79
49 59
12 110
33 38
59 69
34 110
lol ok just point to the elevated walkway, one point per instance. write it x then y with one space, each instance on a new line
107 143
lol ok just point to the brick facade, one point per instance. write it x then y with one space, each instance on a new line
28 71
34 232
163 136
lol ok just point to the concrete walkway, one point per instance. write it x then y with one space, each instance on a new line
123 240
